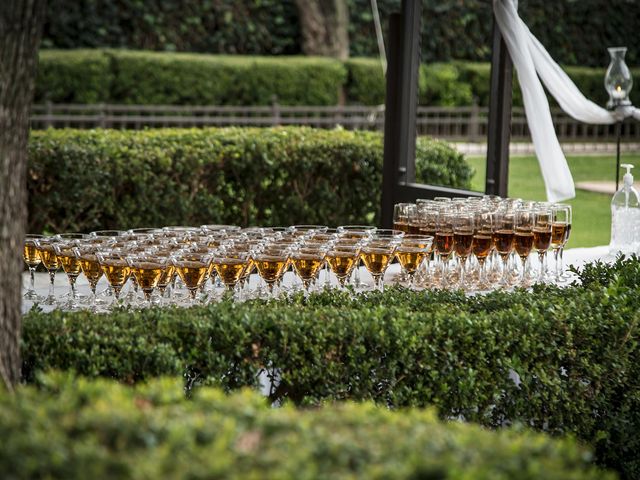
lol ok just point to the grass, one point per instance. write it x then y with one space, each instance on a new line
591 211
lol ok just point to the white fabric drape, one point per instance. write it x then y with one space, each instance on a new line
531 61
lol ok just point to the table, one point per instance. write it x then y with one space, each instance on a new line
574 256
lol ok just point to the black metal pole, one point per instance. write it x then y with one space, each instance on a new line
618 134
499 128
401 104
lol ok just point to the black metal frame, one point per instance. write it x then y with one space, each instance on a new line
398 175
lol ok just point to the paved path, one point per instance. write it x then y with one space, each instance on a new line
516 148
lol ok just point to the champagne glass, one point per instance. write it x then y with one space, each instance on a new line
65 251
307 263
230 267
147 269
192 267
444 242
411 253
376 256
342 260
503 239
524 238
463 240
87 254
560 230
51 263
356 232
31 257
116 270
482 243
402 212
542 229
271 264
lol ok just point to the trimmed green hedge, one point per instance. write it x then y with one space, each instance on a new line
73 428
81 180
78 76
182 79
136 77
560 360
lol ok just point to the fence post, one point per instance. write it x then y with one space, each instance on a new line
49 118
474 122
102 123
275 110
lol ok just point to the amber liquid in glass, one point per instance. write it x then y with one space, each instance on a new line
481 245
49 257
402 226
167 276
503 241
192 273
558 234
116 271
307 266
147 274
70 264
523 243
91 268
429 230
230 270
542 238
341 263
444 243
31 255
376 259
414 229
271 268
462 242
411 258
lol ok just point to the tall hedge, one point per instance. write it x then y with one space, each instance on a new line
136 77
82 180
71 428
560 360
575 32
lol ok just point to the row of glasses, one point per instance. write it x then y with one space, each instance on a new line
475 232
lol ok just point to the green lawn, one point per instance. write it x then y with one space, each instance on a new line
591 211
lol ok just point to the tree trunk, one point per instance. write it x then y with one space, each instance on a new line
20 30
325 26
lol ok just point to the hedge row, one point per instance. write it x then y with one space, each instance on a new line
114 76
560 360
451 29
72 428
81 180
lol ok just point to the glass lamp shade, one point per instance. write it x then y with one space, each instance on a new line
618 81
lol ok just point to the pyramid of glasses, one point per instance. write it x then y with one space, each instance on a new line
461 243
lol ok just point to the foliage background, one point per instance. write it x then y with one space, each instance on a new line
576 32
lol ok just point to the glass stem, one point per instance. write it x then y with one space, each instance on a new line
541 256
556 258
463 263
483 272
52 277
561 249
523 274
444 263
32 284
72 283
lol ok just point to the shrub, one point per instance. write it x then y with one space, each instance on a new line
135 77
76 428
77 76
560 360
90 180
183 79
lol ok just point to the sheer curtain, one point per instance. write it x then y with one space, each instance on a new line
533 64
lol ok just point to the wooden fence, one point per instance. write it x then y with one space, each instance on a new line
453 123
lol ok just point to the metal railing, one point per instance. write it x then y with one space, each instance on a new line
453 123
